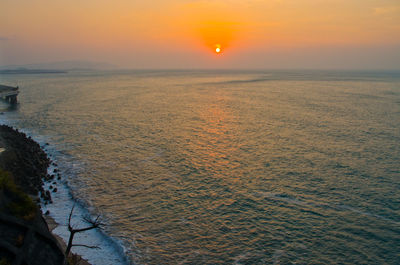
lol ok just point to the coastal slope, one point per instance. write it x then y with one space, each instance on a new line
24 234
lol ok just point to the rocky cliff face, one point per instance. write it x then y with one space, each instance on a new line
24 235
24 159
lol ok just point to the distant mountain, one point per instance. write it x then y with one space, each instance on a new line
62 66
21 70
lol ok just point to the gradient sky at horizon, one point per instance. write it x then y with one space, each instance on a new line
183 33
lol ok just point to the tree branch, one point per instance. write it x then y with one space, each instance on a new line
94 223
69 218
84 229
86 246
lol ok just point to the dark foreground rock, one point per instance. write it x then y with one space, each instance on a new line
24 159
24 235
28 242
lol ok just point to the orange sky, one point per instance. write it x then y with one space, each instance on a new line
183 33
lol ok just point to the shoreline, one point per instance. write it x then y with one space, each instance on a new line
54 195
28 164
52 224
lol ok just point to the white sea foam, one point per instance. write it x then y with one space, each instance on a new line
110 252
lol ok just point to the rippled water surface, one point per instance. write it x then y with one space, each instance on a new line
196 167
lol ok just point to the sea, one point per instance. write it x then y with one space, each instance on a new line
220 166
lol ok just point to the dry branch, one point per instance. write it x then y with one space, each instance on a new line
94 223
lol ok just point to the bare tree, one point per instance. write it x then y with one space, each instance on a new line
94 223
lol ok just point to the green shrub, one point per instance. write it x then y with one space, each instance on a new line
21 204
4 261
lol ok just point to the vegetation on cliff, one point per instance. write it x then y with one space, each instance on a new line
24 234
13 200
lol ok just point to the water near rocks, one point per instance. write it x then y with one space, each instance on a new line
226 167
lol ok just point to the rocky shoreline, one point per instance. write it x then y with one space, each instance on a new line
26 239
25 160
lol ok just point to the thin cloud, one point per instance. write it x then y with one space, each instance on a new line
386 10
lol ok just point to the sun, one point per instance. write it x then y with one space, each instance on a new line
218 48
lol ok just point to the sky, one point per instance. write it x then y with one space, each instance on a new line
254 34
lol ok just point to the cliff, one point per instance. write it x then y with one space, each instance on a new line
24 235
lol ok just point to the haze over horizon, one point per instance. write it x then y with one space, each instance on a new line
183 34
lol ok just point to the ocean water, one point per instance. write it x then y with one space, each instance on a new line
223 167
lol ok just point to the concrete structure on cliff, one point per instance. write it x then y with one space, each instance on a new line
9 93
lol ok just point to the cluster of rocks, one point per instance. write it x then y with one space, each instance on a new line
27 241
27 162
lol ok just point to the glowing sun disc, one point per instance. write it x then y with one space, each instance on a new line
217 50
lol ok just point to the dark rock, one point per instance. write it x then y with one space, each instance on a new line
47 196
24 159
55 190
47 212
27 241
